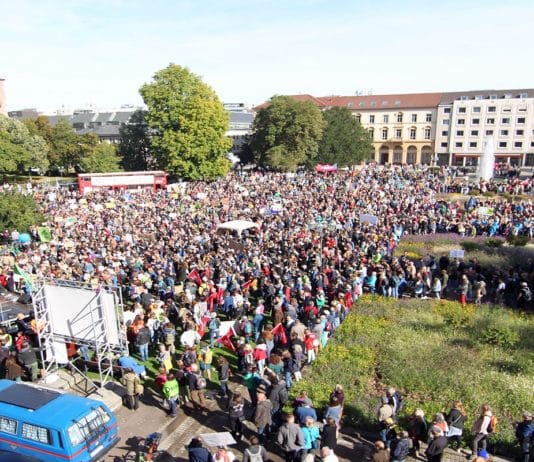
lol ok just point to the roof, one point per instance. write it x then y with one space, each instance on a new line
83 117
42 405
449 97
103 116
123 116
374 102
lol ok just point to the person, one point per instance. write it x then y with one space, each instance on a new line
305 410
456 419
236 415
255 451
214 325
278 396
434 451
440 422
524 432
198 453
385 412
329 434
142 341
524 297
262 415
327 455
223 455
223 370
196 384
333 410
290 438
171 391
312 436
133 387
480 429
205 357
381 454
12 368
417 429
28 359
400 447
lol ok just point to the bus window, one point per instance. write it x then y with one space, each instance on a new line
8 425
35 433
88 427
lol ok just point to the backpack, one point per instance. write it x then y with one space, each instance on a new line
527 295
200 383
254 456
492 426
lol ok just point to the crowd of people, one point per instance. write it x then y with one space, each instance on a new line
320 243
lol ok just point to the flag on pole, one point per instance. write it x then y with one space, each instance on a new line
220 296
246 285
201 329
226 339
44 233
195 277
24 275
281 332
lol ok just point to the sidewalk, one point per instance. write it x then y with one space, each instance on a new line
353 445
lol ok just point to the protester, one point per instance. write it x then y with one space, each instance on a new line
524 432
290 438
456 419
434 451
480 429
197 452
255 451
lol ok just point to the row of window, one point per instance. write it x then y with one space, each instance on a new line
478 109
489 121
503 132
399 118
398 133
474 144
28 431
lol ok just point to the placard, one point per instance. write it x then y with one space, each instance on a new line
456 253
371 219
218 439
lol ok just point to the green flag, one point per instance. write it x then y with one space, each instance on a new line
24 275
44 233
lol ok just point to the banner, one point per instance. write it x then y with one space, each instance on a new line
44 233
365 218
24 275
226 339
281 332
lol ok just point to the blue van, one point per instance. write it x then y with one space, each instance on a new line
49 426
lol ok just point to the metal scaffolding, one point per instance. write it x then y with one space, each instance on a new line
105 338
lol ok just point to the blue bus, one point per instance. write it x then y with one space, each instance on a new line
46 425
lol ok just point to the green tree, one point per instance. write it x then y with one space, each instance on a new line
18 211
134 144
102 159
65 150
344 140
189 124
19 149
286 133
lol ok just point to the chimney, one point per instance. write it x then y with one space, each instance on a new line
3 107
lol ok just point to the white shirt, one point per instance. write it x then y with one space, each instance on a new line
189 338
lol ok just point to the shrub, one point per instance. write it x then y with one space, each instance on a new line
517 241
494 242
454 314
470 246
503 337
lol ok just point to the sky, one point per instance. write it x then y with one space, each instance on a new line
97 53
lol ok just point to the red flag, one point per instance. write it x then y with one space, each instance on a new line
220 295
211 299
281 332
195 277
348 300
246 285
201 329
226 339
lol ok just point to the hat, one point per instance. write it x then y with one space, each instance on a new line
527 415
483 453
389 421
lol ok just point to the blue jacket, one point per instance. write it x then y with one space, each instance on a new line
199 455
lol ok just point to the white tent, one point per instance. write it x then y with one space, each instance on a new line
236 225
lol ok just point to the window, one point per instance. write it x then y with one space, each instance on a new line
460 122
359 117
489 132
446 122
444 133
492 108
520 132
372 133
459 133
444 144
503 144
398 133
490 121
505 120
474 132
518 144
506 109
520 120
493 96
427 133
414 118
399 117
8 425
386 118
473 144
476 109
532 144
413 133
371 119
458 144
82 430
428 117
475 121
461 110
503 133
35 433
447 110
384 133
522 109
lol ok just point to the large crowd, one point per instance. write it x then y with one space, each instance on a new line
320 243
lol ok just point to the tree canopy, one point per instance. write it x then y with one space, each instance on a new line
344 140
18 211
20 150
103 158
188 123
134 144
286 133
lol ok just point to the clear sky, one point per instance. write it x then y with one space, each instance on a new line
76 53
